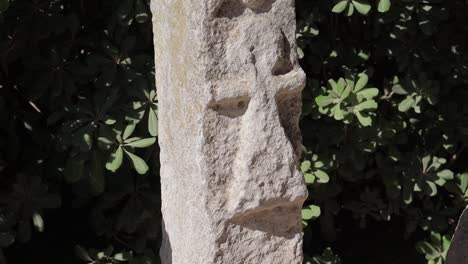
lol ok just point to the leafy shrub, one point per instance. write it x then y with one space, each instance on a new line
79 111
394 153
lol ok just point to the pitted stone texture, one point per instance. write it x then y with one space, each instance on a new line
458 251
229 88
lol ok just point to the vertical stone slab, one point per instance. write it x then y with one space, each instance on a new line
458 251
229 88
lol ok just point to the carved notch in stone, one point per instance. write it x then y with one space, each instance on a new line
235 8
231 107
230 100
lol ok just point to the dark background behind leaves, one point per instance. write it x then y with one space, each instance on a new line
385 127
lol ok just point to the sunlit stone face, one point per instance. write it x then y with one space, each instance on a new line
264 170
230 136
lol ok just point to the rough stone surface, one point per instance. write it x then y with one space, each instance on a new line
229 88
458 251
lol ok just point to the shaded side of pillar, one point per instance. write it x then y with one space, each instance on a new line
458 251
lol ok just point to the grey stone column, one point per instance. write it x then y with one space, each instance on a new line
229 88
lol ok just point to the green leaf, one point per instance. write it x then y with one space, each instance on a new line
322 176
305 166
445 174
406 104
340 6
152 94
323 100
361 6
445 242
407 194
300 53
128 131
432 188
341 84
368 93
138 163
384 6
123 256
350 10
361 83
346 92
142 143
115 160
38 222
101 255
132 139
337 112
318 164
152 123
309 178
110 121
425 162
464 182
364 55
310 212
366 105
398 89
427 249
333 88
104 143
365 121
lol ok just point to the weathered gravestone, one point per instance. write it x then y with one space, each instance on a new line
229 88
458 251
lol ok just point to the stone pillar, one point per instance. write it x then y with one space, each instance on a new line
229 88
458 251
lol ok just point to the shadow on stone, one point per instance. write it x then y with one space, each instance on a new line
235 8
265 7
165 252
279 221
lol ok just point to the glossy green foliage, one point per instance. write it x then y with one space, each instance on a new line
436 249
78 113
385 122
349 97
